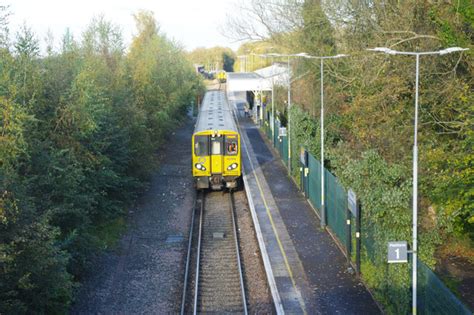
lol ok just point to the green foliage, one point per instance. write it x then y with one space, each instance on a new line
454 23
215 58
109 233
369 107
79 134
252 61
34 276
228 62
316 29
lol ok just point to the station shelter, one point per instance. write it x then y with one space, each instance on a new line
257 85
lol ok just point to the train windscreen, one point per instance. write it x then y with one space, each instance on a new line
201 145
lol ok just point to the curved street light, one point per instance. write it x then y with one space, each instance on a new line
389 51
288 56
322 58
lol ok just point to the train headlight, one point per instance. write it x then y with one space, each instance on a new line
233 166
200 167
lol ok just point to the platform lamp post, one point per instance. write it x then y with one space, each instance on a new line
241 58
289 105
322 58
288 116
288 56
273 98
272 55
415 153
289 109
259 65
246 61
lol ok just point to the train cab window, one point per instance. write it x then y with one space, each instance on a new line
201 145
216 146
231 145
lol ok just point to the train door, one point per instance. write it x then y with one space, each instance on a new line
217 155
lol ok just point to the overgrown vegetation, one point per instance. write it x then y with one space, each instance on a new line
369 102
215 58
80 129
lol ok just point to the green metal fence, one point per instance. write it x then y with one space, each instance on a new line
314 182
279 142
335 196
433 295
276 125
336 205
284 149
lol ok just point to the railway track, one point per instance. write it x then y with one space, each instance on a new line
213 276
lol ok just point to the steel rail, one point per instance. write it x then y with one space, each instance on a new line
188 257
201 245
198 257
239 263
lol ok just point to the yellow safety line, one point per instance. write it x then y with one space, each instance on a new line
285 258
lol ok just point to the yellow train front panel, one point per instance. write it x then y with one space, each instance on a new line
216 159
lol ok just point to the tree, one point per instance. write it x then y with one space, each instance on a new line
228 62
27 50
4 14
215 58
262 20
79 134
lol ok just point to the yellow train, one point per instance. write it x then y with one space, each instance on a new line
222 76
217 161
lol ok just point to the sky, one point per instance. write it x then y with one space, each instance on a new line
192 23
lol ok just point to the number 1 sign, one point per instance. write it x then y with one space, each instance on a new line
397 252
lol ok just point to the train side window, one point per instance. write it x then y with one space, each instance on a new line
201 145
216 145
231 145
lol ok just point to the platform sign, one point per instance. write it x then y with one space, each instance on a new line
397 252
352 202
282 132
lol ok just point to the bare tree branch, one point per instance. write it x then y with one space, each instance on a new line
261 20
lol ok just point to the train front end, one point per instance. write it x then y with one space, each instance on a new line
216 159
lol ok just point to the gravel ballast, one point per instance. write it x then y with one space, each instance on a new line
259 299
144 273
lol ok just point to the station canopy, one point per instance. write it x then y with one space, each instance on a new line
247 81
278 73
260 80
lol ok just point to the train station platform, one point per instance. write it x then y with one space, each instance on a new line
306 270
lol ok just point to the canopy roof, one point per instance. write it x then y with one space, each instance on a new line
277 72
247 81
260 80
